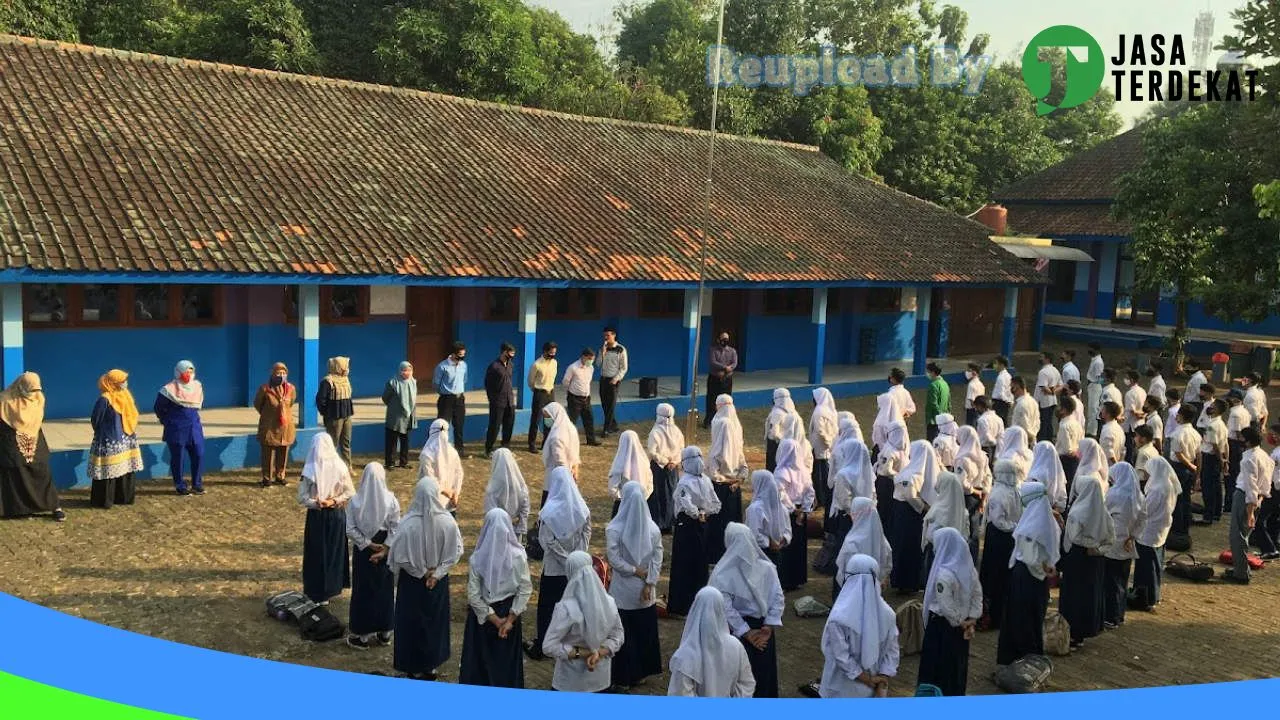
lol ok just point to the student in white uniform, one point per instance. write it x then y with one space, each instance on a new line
1035 558
585 631
1267 519
710 662
1110 393
1255 400
727 468
1047 469
1070 433
855 480
1184 451
888 412
767 516
1002 513
1160 497
1253 486
1144 441
823 426
1002 390
797 496
914 491
1237 420
425 547
1172 406
1111 434
974 471
1048 381
560 444
1153 417
952 607
892 446
630 464
1094 378
866 537
897 378
1125 504
441 461
1156 387
1013 447
1134 411
1191 394
324 490
973 390
498 592
990 427
753 604
564 527
508 490
945 444
696 505
634 550
372 516
664 445
947 510
1089 534
1074 391
1069 369
860 640
1026 411
782 407
848 429
1214 452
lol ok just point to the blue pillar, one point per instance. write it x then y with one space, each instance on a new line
944 324
819 321
1037 331
11 306
1010 322
924 299
690 317
309 336
528 344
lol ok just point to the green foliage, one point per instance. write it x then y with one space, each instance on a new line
51 19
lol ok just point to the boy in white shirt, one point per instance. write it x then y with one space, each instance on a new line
1111 436
1134 398
1253 486
1002 391
1144 440
1173 403
1026 411
1069 370
1191 395
1094 377
1184 451
1110 393
1153 411
1048 380
1157 386
1255 400
1070 433
1237 421
989 426
1204 400
1213 451
974 390
1266 531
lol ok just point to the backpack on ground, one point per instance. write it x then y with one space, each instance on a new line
1178 542
1057 635
1185 566
288 606
319 625
1025 675
532 545
824 563
911 627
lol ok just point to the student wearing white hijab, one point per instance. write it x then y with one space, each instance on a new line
892 453
947 510
1046 468
696 505
796 485
630 464
564 527
1035 558
561 446
727 467
767 515
508 490
1004 509
865 537
1160 497
860 640
634 550
585 631
426 545
372 516
753 604
710 662
782 408
498 592
1015 446
888 411
847 428
664 446
324 490
440 460
824 424
914 490
1092 462
946 444
1125 505
1089 534
952 606
855 480
974 469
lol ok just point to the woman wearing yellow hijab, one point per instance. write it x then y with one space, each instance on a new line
26 482
114 455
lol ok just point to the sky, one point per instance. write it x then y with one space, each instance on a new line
1011 23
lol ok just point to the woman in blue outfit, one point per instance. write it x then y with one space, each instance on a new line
114 455
178 409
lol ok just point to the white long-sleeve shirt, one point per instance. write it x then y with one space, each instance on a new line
1255 474
990 427
1026 415
685 503
307 493
951 604
822 435
841 669
1255 401
1097 367
482 599
577 378
556 553
1111 438
362 541
1070 433
1157 388
743 686
1034 556
1134 399
625 587
974 390
562 636
1192 393
737 608
1003 389
905 401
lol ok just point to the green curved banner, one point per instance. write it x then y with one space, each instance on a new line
21 699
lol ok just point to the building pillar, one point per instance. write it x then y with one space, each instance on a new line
1037 331
944 323
1010 322
924 303
528 347
11 306
819 322
690 317
309 337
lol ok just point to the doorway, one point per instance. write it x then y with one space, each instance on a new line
429 312
729 314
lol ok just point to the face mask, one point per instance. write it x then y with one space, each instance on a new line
546 422
124 385
1127 382
186 377
277 380
724 342
969 374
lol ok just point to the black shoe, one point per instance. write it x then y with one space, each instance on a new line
534 452
59 515
355 642
810 690
593 443
183 492
1230 576
279 481
197 491
384 638
532 651
1271 556
1107 625
264 483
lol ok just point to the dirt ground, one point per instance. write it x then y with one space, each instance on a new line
197 569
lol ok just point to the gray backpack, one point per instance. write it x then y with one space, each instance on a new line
1025 675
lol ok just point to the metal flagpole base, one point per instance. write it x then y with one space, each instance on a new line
693 421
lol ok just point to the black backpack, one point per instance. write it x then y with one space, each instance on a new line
288 606
319 625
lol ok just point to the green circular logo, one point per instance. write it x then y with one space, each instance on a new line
1085 67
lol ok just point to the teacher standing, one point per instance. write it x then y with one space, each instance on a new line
724 363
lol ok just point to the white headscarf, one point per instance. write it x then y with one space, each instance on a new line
1162 493
426 537
950 555
438 454
766 496
506 485
855 479
888 411
789 472
861 611
971 460
1124 499
1092 462
374 507
866 535
1003 506
562 432
665 435
497 550
782 407
1013 446
947 424
1036 524
946 443
792 427
824 411
694 480
708 653
726 437
849 429
948 510
1088 522
631 463
591 609
325 468
1046 468
565 512
921 472
634 526
743 570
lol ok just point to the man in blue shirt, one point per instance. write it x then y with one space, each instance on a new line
450 381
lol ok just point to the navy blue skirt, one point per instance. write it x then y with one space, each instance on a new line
944 657
994 572
326 566
821 471
1081 592
422 625
1148 573
661 502
793 558
689 571
1022 628
640 656
906 528
764 663
550 590
373 593
730 511
488 659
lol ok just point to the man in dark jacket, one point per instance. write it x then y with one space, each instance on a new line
502 398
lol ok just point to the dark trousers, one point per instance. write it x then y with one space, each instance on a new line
578 406
504 415
715 388
453 410
1235 454
608 401
1130 448
196 455
1211 487
541 398
1266 526
1046 423
1182 509
1002 409
1070 463
395 440
930 431
971 417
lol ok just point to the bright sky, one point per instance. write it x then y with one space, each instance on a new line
1011 23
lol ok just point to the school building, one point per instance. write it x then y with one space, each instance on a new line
158 209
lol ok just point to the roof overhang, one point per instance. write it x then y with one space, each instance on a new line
1040 248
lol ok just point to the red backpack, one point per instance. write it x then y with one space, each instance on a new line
601 566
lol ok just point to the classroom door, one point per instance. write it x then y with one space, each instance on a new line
429 312
729 313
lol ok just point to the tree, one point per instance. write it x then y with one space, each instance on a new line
50 19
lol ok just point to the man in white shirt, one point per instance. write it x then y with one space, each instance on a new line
1094 377
1111 435
1213 453
1170 418
1204 398
1253 485
1191 395
1144 438
577 385
1184 451
1070 433
1110 393
1157 386
1237 421
1069 370
896 379
1026 412
1266 531
973 390
1048 380
1255 400
1002 392
1135 400
989 426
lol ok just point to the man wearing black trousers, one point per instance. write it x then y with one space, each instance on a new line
450 381
502 400
724 361
542 381
613 368
577 387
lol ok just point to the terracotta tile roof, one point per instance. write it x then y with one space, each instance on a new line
1090 175
1064 219
114 161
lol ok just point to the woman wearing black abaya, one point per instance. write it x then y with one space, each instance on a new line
26 481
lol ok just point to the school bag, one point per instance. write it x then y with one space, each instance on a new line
1057 635
288 606
1255 562
1185 566
1178 542
601 566
319 625
809 606
813 527
824 563
533 546
911 627
1027 674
